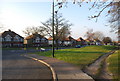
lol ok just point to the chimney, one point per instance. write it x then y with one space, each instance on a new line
9 30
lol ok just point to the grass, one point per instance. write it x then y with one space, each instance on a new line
113 61
79 56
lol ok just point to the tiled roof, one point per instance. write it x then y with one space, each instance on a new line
33 36
29 37
66 39
50 38
79 39
11 33
69 38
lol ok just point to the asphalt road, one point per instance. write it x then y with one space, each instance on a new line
15 66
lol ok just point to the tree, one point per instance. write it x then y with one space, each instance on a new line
1 27
94 35
112 7
115 17
33 30
89 34
61 26
98 35
107 40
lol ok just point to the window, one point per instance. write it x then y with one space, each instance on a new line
43 40
21 40
37 40
17 38
1 39
8 38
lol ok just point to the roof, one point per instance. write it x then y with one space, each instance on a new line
11 33
34 36
69 38
29 37
79 39
50 38
66 39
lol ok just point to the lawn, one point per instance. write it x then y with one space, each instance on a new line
113 61
79 56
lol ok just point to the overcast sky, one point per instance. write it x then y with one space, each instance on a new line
19 15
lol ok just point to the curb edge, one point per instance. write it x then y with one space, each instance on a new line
54 75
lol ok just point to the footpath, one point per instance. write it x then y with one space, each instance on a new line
98 69
62 70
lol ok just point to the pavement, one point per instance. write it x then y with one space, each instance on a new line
62 69
100 65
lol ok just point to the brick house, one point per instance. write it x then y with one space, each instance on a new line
36 40
69 41
81 41
11 39
50 41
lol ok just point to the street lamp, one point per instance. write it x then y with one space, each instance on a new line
53 50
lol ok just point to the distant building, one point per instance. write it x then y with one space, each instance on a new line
94 42
36 40
81 41
11 39
69 41
50 41
98 42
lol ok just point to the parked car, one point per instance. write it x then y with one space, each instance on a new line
78 46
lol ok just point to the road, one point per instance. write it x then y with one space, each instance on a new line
15 66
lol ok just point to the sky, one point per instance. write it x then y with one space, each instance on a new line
17 15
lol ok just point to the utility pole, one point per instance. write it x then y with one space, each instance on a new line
53 50
56 39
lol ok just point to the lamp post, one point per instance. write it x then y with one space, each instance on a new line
53 50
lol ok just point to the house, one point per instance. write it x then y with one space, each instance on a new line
11 39
36 40
81 41
90 42
50 41
69 41
94 42
98 42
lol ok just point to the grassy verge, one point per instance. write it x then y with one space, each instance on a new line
79 56
113 61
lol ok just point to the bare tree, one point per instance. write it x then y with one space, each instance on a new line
114 19
91 35
112 7
1 27
98 35
33 30
61 26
